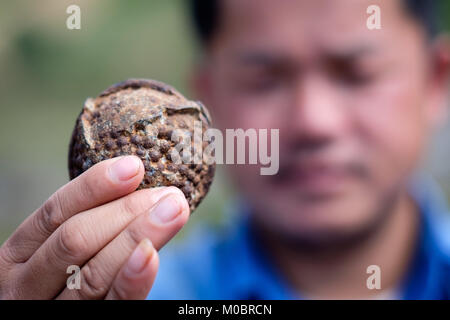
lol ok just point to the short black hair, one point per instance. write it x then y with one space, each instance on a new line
426 12
206 16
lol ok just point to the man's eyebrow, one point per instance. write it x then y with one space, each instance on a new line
275 58
260 58
346 54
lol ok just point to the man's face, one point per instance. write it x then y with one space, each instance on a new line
354 107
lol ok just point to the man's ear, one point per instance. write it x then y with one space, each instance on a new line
440 80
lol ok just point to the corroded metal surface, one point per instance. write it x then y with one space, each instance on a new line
138 117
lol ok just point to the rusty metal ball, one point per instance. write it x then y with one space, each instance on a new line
137 117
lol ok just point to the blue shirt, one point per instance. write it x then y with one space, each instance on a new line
231 264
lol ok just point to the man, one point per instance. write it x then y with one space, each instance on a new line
354 107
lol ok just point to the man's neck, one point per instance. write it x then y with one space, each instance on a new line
343 275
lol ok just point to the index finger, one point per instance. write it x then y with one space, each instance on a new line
106 181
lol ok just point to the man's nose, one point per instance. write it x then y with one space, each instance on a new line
317 111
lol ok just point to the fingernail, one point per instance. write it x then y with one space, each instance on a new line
139 258
167 209
124 169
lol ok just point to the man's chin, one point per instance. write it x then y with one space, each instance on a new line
319 224
315 221
350 205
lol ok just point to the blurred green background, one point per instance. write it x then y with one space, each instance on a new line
47 71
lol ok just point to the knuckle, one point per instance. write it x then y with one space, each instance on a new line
11 285
71 242
4 284
134 237
88 188
9 295
49 217
8 255
118 292
129 207
93 284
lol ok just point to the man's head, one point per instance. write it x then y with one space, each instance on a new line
355 107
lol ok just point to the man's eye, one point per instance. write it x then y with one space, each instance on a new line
347 73
355 78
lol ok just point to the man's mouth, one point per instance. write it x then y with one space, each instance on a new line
317 178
